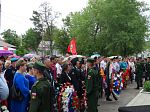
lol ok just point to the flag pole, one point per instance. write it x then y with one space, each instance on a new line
42 38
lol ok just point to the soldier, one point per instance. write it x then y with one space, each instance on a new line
138 73
9 74
144 69
140 61
148 68
40 92
92 86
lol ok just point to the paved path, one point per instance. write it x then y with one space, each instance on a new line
126 96
140 99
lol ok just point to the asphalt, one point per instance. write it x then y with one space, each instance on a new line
125 97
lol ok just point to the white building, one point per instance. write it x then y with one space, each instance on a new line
46 49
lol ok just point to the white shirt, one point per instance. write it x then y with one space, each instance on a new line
131 64
59 69
103 64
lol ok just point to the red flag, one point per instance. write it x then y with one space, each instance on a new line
72 47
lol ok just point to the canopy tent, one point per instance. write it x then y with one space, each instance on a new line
2 44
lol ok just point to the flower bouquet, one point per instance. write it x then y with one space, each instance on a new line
73 102
68 100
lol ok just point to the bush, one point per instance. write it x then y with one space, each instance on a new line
147 86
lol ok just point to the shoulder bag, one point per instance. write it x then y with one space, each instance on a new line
16 94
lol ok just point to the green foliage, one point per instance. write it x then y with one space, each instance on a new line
30 41
21 51
11 37
147 86
61 40
109 27
48 18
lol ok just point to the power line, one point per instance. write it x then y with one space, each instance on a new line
14 15
16 21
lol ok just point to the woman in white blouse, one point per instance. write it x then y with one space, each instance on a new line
132 69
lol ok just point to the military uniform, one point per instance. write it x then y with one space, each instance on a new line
40 96
9 74
92 86
40 92
148 69
141 72
138 74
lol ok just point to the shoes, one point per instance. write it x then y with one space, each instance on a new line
108 99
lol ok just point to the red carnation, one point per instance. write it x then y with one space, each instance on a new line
74 94
117 87
115 75
73 104
117 79
122 81
74 98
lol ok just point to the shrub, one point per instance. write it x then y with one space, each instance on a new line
147 86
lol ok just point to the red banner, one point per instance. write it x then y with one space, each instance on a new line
72 47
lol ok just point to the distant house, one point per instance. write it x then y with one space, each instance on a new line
3 43
46 49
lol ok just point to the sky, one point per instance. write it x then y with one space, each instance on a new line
16 13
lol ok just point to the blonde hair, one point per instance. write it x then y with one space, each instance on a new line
7 63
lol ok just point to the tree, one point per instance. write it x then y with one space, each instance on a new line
109 27
11 37
61 40
48 18
126 26
21 51
30 41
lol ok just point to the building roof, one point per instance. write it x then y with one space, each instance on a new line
2 44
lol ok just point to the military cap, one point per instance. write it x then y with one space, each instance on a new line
82 61
137 59
39 66
74 60
117 57
90 60
140 58
13 59
31 66
145 58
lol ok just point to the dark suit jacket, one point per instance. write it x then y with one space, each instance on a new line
64 78
47 74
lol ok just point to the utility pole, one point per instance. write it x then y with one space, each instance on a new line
21 41
42 38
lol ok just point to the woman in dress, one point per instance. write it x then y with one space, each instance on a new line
29 75
64 77
23 84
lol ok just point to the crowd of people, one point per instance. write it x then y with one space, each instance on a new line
37 79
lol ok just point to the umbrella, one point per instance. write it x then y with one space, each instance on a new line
95 55
29 55
5 52
65 60
17 56
77 56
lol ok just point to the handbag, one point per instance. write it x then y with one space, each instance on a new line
16 94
